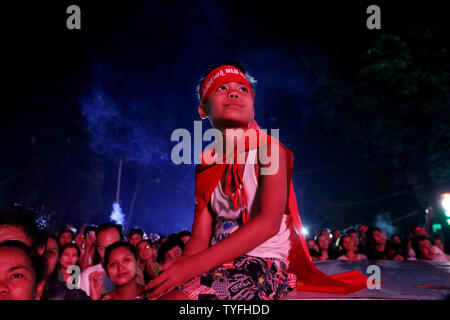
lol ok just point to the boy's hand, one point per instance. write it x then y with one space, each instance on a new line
173 276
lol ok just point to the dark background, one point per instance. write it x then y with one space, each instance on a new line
365 112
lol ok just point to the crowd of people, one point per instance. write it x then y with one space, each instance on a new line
364 242
100 262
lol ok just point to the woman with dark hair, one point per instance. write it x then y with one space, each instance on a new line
121 266
349 249
21 272
376 244
69 255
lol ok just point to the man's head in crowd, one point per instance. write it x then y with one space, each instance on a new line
336 233
135 236
21 272
107 234
423 248
65 236
25 225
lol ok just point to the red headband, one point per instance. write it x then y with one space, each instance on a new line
219 76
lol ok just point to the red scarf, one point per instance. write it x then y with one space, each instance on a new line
309 277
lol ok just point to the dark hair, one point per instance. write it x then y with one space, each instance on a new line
33 224
89 228
136 230
171 243
110 225
117 245
233 63
69 245
415 244
36 260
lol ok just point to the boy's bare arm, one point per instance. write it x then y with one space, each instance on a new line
201 234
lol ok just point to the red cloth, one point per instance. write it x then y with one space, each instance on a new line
309 277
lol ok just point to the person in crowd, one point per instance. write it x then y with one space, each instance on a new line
51 258
349 249
79 241
336 234
395 249
353 233
170 251
376 244
56 284
21 272
69 255
323 243
424 250
65 236
185 236
313 249
135 235
333 249
161 240
121 265
89 249
25 225
107 234
395 239
419 231
147 254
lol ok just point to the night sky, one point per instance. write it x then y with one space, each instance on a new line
74 101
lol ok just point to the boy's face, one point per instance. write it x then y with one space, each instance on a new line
106 238
229 105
